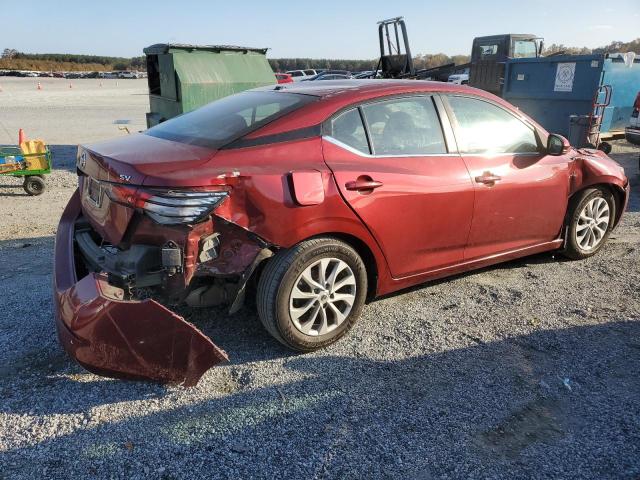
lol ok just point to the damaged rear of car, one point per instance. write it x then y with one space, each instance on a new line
142 232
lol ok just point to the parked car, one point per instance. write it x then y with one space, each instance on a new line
298 75
329 75
107 75
632 132
128 74
459 78
323 197
367 74
283 78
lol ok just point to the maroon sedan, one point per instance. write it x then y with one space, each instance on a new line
316 197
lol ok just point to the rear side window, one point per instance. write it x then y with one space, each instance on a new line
310 72
405 126
488 50
229 118
296 73
482 127
348 129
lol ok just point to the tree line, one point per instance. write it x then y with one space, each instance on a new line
13 59
90 62
420 61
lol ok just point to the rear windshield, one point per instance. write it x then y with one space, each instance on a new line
229 118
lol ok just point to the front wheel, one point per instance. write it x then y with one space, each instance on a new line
310 295
590 220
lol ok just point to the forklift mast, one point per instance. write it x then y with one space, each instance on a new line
395 57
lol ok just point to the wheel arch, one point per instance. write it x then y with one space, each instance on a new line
369 259
361 248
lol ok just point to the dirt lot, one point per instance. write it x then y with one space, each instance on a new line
525 370
92 109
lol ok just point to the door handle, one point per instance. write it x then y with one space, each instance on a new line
488 178
363 184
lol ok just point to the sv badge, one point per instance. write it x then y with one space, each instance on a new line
125 178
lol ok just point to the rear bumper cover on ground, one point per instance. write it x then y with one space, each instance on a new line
122 338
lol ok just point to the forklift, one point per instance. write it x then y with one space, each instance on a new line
395 60
488 56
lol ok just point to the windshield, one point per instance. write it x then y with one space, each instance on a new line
229 118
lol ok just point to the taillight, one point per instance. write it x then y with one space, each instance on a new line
172 207
636 105
168 207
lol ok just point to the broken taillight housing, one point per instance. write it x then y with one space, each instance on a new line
166 206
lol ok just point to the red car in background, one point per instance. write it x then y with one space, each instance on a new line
284 78
321 195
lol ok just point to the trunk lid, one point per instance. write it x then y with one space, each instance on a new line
132 160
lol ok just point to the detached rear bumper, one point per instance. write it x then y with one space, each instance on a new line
122 338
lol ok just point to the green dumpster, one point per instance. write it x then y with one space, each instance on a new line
184 77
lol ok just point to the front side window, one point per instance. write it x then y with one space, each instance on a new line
404 126
348 129
484 128
229 118
524 49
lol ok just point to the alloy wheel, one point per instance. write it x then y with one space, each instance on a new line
322 296
593 223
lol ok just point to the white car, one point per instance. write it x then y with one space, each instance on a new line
632 132
298 75
459 78
128 74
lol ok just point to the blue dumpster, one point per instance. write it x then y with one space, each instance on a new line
552 89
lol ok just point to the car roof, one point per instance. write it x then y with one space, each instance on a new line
373 87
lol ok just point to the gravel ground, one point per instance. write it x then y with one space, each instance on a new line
525 370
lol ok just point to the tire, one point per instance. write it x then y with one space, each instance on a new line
277 303
583 222
605 147
34 185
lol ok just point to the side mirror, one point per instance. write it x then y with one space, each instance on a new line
557 145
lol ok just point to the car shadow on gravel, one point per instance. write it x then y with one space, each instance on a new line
555 404
517 264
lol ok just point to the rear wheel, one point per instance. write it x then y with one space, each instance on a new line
590 221
34 185
312 294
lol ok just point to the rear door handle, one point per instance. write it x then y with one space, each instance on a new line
488 178
363 184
